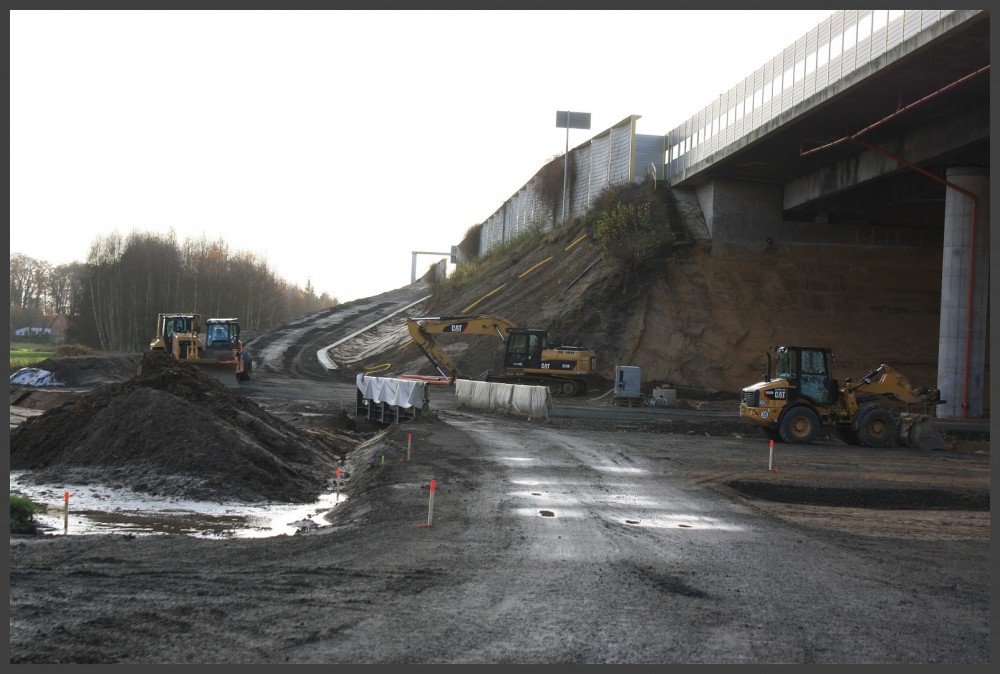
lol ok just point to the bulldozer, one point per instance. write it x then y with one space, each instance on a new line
874 411
528 357
219 353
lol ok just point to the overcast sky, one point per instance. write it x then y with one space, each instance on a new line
336 143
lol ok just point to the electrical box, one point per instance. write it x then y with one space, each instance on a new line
627 386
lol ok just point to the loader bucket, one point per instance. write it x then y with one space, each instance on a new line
224 373
918 431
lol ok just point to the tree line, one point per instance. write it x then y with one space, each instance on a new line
112 299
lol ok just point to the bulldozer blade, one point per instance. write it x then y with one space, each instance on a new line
225 374
918 431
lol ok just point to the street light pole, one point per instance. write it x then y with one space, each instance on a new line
565 173
567 119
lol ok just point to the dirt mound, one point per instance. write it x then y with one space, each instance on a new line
171 430
92 370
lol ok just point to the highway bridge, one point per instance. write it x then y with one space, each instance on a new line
873 129
868 136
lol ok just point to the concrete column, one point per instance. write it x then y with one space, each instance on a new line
965 273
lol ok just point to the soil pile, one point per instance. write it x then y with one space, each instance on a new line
92 370
172 430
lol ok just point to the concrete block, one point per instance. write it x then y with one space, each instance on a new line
664 396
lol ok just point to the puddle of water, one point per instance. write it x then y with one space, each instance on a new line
95 509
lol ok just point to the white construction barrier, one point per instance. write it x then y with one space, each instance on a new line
386 399
533 402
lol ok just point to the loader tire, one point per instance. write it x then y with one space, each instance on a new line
798 425
877 428
246 375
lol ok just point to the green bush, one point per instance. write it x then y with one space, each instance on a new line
22 510
632 226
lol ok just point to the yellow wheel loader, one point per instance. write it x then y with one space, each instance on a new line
218 352
528 358
875 411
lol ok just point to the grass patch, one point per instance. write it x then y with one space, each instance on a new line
26 354
22 510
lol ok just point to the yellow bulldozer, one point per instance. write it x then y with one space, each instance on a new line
218 351
528 356
877 410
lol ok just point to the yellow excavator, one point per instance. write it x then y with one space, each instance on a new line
528 357
874 411
219 352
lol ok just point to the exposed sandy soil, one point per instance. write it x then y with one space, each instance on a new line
700 317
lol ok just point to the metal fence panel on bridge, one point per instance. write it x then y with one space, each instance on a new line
841 45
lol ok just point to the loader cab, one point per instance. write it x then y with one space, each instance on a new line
524 347
808 372
221 333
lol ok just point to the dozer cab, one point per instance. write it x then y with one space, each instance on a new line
219 353
874 411
528 357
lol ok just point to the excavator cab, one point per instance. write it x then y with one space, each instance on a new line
524 347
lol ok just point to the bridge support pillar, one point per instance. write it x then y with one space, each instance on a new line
965 273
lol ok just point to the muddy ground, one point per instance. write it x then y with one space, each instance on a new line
399 577
147 423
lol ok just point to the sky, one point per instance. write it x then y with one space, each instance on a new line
336 143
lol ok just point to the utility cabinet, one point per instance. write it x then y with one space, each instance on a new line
627 386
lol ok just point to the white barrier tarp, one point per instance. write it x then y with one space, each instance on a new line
530 401
33 376
400 392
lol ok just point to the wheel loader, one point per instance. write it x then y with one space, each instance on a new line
528 357
219 352
874 411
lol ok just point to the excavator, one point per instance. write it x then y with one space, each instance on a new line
528 357
219 353
802 395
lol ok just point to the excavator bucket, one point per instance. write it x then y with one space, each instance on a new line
918 431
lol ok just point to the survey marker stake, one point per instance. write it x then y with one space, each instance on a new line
430 505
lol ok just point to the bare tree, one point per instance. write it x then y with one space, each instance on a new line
112 299
24 276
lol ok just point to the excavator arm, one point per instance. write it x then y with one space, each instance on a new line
422 331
